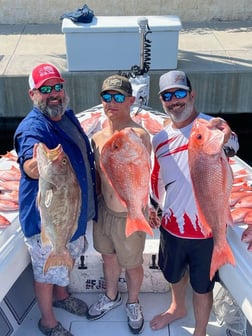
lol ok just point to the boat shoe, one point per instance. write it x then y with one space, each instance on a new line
135 317
72 305
59 330
102 306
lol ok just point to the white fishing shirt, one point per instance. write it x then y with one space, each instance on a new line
171 185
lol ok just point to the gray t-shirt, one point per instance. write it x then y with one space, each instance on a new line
69 128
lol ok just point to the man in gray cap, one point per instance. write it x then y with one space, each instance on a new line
184 252
118 251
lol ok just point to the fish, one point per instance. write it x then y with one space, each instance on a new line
242 215
9 195
8 205
241 175
9 185
247 237
237 196
59 203
244 201
126 163
12 174
212 178
91 123
4 222
12 156
152 125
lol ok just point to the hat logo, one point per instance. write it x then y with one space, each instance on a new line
179 78
115 82
46 70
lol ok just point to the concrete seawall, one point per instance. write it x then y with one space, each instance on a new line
216 55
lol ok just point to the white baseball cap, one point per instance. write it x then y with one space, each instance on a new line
174 79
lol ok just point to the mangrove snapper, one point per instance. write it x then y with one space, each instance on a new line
59 202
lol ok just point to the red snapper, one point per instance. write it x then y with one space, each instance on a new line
126 163
212 179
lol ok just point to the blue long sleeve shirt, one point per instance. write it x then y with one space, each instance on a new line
35 128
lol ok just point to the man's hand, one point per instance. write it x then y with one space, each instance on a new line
31 168
154 220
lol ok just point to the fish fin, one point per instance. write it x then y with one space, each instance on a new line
229 218
137 224
48 198
59 259
248 218
205 226
44 239
221 255
38 198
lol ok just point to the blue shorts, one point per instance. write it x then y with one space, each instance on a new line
177 255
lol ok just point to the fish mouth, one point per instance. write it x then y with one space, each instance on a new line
52 154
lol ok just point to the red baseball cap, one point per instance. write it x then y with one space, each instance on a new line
42 73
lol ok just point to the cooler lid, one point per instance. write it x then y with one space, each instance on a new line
122 24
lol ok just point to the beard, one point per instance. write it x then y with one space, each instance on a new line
179 112
50 110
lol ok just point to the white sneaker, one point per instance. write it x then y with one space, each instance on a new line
102 306
135 317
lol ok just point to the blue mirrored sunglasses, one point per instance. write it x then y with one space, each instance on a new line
179 94
45 89
118 97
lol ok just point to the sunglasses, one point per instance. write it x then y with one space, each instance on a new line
179 94
118 97
45 89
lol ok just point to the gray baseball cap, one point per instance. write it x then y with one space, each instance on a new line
174 79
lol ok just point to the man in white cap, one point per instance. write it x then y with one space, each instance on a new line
184 250
52 122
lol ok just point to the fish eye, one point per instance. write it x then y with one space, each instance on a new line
199 136
64 161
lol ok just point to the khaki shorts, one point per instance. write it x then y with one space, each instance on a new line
55 275
109 237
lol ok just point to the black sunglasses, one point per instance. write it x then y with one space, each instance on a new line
45 89
179 94
118 97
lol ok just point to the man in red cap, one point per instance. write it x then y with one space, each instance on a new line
52 122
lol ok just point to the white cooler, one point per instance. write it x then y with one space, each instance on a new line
114 43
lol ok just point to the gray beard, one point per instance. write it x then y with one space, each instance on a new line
182 116
53 111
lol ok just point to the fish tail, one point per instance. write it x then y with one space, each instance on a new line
59 259
221 256
137 224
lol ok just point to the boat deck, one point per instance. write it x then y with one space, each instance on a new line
19 313
115 322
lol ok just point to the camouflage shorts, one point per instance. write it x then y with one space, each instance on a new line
55 275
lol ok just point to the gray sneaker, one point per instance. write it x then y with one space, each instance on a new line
102 306
135 317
